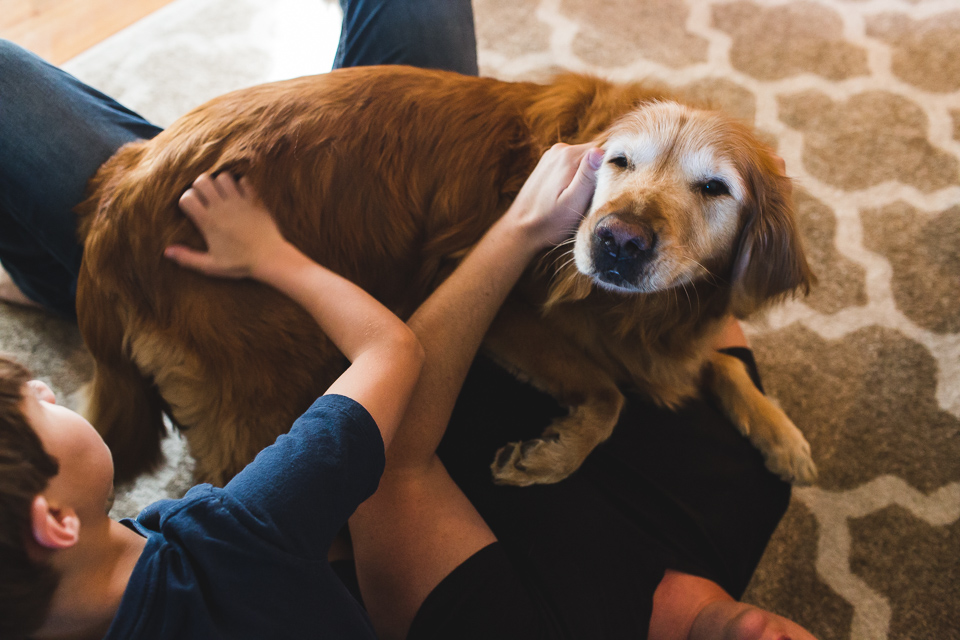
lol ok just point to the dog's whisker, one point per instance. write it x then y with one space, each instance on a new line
564 266
706 271
565 246
555 250
560 255
570 260
708 274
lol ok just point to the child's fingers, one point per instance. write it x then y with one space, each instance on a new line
780 163
190 258
552 174
570 165
193 203
205 186
595 157
245 188
781 166
227 185
579 192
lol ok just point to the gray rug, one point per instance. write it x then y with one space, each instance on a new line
862 99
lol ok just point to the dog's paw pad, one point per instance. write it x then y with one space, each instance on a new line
504 457
793 463
508 467
537 461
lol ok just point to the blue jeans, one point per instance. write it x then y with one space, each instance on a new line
55 131
432 34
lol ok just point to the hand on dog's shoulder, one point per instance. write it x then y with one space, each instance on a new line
557 194
241 236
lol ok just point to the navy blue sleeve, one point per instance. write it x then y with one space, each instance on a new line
312 479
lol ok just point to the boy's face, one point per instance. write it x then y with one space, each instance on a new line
85 479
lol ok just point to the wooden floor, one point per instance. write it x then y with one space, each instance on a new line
57 30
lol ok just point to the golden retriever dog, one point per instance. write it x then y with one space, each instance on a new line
388 175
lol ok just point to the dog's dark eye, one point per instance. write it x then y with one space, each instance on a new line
714 188
620 161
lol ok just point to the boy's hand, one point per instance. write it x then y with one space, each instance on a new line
557 193
239 231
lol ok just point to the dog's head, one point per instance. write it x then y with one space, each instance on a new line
685 195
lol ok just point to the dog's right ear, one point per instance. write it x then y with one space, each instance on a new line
770 263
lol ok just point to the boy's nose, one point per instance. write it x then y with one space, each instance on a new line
43 391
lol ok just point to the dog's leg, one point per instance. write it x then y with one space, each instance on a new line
523 343
229 409
783 446
122 402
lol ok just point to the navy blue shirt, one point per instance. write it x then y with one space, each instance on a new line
250 560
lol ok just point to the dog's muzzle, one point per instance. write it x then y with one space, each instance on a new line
621 250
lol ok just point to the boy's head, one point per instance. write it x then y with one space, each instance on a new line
55 472
26 584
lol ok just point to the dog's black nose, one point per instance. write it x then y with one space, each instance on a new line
620 250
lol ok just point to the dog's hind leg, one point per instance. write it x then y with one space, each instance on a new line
785 450
132 427
122 403
520 341
233 390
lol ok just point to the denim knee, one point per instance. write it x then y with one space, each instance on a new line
433 34
55 132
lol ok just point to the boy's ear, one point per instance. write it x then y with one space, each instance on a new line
53 529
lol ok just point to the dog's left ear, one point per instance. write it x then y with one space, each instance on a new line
770 263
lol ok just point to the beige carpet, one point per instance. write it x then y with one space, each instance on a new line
862 99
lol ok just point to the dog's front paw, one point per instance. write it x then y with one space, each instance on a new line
791 460
543 460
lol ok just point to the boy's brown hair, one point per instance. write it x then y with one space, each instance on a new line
26 586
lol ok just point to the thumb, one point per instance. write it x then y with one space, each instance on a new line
189 258
579 192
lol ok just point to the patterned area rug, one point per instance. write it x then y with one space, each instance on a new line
862 99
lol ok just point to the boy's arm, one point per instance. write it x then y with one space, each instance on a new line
243 241
384 353
419 526
451 323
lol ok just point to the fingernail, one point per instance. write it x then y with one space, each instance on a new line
595 158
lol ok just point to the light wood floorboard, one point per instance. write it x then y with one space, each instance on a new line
57 30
